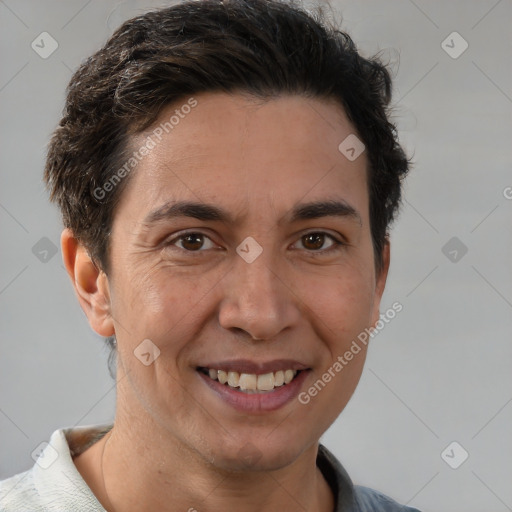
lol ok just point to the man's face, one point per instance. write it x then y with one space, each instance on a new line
204 294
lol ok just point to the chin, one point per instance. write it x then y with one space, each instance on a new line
256 455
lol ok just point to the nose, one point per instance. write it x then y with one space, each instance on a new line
259 299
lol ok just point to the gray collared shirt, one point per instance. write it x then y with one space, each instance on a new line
350 497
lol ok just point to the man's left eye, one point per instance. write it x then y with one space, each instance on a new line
314 241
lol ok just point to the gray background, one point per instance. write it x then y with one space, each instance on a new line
439 372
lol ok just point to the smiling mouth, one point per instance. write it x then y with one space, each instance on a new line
250 382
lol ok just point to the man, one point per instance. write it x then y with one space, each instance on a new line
227 173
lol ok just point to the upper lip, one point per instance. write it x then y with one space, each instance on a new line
253 367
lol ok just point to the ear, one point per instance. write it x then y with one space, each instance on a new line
380 280
90 284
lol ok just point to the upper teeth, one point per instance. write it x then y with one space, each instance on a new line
251 381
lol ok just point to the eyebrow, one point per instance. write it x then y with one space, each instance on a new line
210 212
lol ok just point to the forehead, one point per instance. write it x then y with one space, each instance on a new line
246 153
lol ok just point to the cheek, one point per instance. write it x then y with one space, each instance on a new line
155 309
344 311
164 304
342 301
149 299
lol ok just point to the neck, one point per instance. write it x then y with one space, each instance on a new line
158 473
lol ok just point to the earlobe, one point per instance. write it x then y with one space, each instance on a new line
90 283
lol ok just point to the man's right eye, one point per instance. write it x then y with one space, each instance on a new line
191 241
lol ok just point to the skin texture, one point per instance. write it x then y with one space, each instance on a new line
175 444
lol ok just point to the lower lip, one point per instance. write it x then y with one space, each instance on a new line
257 402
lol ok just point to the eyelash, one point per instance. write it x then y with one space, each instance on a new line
337 244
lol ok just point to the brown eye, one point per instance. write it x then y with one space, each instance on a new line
192 242
315 244
314 241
